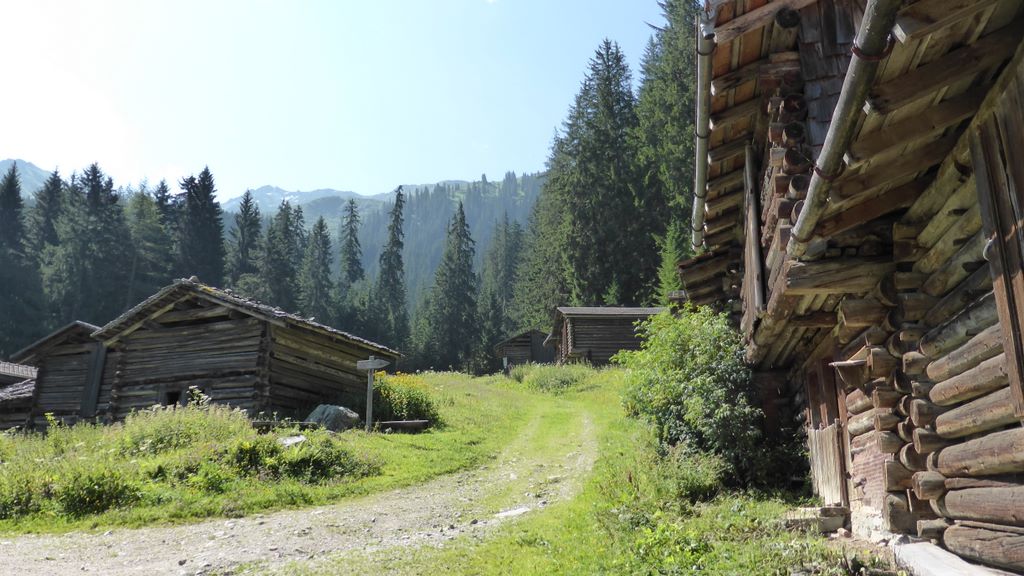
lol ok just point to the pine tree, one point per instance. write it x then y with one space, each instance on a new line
201 237
277 270
500 268
492 331
391 280
671 253
21 313
452 314
244 246
43 218
351 251
153 249
315 286
107 247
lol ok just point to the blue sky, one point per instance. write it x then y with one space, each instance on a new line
338 94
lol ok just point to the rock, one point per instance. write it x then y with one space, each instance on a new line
182 562
333 418
844 533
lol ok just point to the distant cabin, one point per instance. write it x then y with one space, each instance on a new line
235 350
11 373
595 334
16 384
524 348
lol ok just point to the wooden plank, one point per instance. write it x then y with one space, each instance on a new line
91 391
906 165
927 124
754 19
729 150
775 66
918 20
871 209
1000 184
957 65
736 113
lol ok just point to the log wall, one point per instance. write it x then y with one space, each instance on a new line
596 340
61 383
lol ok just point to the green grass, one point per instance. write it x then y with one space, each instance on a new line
639 512
191 464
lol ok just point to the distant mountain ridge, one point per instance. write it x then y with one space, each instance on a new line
32 177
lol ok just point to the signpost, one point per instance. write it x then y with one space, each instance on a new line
371 366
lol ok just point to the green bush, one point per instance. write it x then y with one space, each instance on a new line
690 380
18 496
319 459
165 428
84 489
404 397
556 379
255 456
519 372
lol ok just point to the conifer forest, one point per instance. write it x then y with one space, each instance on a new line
439 272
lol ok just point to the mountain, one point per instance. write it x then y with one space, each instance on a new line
32 177
269 198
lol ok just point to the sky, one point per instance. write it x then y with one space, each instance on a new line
299 94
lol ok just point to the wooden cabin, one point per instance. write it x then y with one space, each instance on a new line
15 404
11 373
235 350
595 334
524 348
859 189
68 384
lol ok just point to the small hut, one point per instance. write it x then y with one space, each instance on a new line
15 404
524 348
235 350
595 334
11 373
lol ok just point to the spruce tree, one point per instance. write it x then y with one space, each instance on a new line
500 267
153 249
201 237
315 286
671 253
351 251
244 245
107 249
492 331
391 280
452 314
21 312
43 218
278 268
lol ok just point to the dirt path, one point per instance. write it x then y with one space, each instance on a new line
540 467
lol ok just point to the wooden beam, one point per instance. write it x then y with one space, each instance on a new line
756 18
894 199
928 123
838 276
924 17
725 184
736 113
820 319
872 177
729 150
775 66
956 65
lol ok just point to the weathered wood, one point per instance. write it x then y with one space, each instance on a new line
996 453
894 170
858 401
735 114
888 442
905 430
918 20
986 344
932 529
818 319
1001 548
979 315
729 150
847 275
796 161
998 505
958 268
886 419
956 65
914 363
989 412
921 388
896 476
860 312
885 397
775 67
923 413
928 123
724 184
896 514
911 458
784 31
928 485
952 210
754 19
967 291
984 378
861 423
912 306
927 441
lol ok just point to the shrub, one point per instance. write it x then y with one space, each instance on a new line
165 428
319 458
211 477
255 456
82 489
18 496
550 378
404 397
690 380
519 372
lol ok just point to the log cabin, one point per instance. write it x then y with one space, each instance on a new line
15 404
858 199
524 348
235 350
11 373
594 334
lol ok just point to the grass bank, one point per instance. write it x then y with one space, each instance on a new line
186 465
639 512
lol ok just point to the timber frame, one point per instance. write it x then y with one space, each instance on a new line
858 206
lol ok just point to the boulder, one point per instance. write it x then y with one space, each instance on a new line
333 418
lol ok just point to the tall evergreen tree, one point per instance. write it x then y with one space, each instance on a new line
107 247
153 249
201 239
20 307
391 280
244 246
351 251
452 313
500 268
672 251
315 286
43 219
278 268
